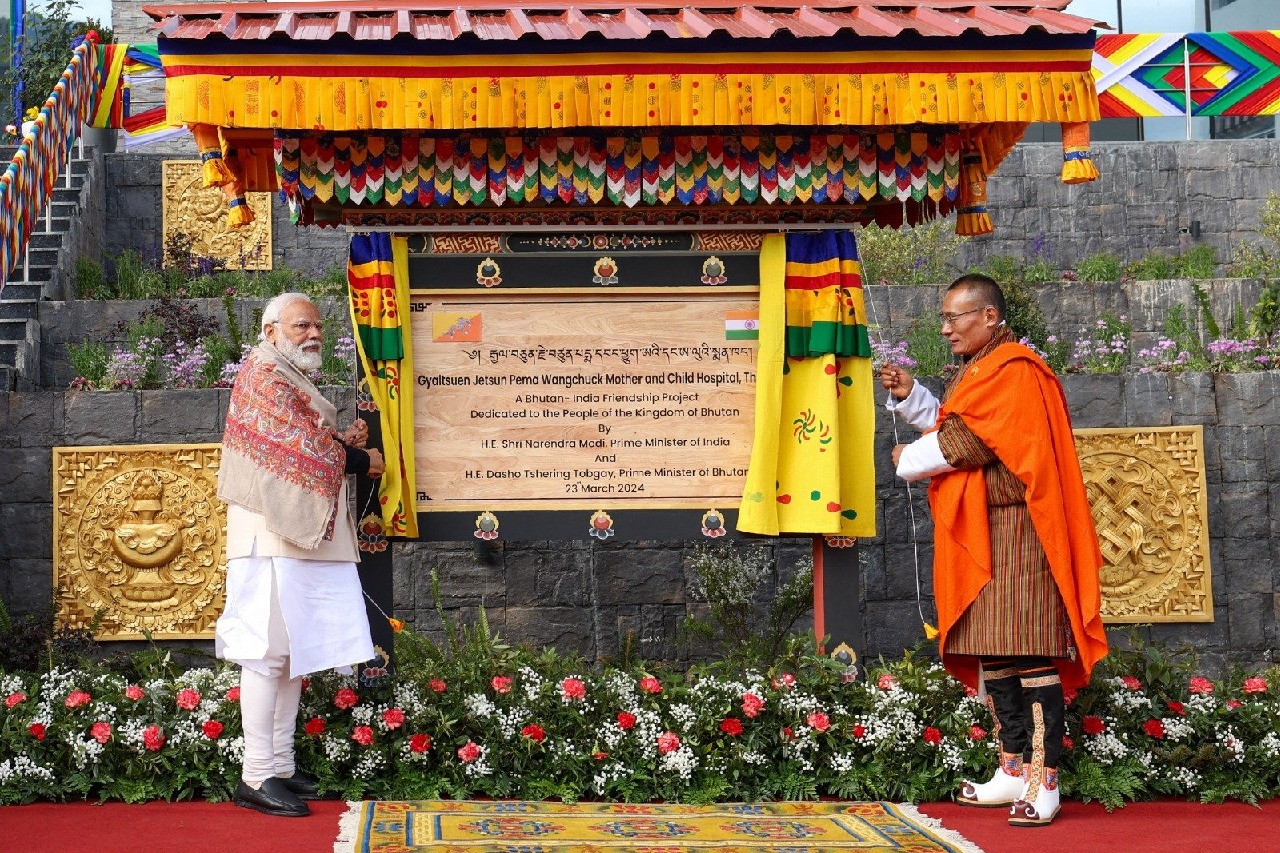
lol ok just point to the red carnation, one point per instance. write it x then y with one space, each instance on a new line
314 727
1256 684
14 698
668 742
37 730
469 752
1131 682
1155 728
233 695
977 733
437 685
362 735
101 732
393 717
573 688
859 731
419 743
731 726
76 698
626 721
1200 685
818 721
649 684
152 738
1067 742
187 699
751 705
345 698
932 735
1178 708
134 692
212 729
534 733
1093 725
501 684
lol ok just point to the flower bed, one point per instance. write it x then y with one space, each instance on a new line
519 724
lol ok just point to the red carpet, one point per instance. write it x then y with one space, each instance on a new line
1163 827
1167 826
160 827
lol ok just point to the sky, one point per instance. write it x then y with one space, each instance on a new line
100 9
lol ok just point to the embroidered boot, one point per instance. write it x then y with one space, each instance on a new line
1038 805
1004 700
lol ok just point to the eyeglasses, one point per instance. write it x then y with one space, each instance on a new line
949 319
303 326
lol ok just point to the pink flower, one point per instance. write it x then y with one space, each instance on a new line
37 730
886 681
469 752
14 698
152 738
314 727
751 705
534 733
501 684
100 731
1067 742
437 685
599 755
859 731
1155 728
649 684
1178 708
188 699
1200 685
233 695
1131 682
1256 684
818 721
626 721
668 742
977 733
1093 725
393 717
134 692
731 726
76 698
345 698
362 735
212 729
970 691
573 688
1232 704
784 681
932 735
419 743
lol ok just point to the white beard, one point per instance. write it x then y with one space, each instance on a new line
306 357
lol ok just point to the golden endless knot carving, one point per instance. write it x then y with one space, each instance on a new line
1147 490
196 216
139 540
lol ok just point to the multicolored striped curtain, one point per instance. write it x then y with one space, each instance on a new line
378 279
812 468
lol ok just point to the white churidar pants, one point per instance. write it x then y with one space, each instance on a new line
285 618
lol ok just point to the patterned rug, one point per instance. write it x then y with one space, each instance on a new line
525 827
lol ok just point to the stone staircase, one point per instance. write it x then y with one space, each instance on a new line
47 275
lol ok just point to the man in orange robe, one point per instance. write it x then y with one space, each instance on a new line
1016 555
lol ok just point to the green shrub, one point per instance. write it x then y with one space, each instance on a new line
1200 262
921 255
90 280
89 360
929 350
1102 267
1155 266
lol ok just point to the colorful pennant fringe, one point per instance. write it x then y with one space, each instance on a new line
1225 74
27 183
406 170
122 66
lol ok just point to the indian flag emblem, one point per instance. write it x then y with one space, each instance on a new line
741 325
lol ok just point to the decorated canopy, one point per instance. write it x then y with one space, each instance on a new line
599 112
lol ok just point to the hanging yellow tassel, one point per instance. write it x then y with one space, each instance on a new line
930 632
238 212
213 168
973 219
1077 166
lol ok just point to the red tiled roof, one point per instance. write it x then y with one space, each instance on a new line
571 20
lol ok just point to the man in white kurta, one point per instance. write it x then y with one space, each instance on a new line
294 603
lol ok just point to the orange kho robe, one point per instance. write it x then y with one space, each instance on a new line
1012 401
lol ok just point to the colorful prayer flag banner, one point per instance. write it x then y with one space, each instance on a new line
741 325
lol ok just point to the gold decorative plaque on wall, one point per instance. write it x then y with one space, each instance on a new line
139 537
197 215
1147 490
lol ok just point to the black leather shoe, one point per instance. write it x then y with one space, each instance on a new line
272 798
301 785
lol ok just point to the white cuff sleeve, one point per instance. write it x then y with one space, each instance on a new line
922 459
919 409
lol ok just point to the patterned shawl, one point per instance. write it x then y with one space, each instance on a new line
281 457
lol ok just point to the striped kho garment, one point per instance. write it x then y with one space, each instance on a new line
1020 611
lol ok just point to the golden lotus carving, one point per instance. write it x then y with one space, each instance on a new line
1147 490
139 540
196 216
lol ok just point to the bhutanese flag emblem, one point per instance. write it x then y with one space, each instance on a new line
741 325
447 327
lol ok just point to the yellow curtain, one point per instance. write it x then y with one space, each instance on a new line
378 279
812 468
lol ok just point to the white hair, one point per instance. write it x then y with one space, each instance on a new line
271 313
